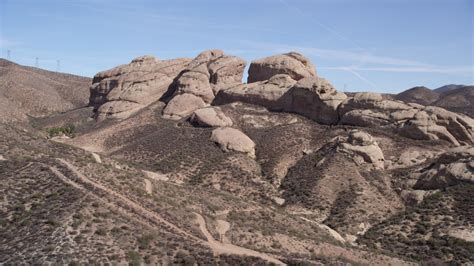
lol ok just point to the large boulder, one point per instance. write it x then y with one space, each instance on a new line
271 93
316 99
293 64
452 167
233 139
123 90
363 148
182 106
210 117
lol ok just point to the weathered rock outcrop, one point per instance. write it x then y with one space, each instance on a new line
411 120
205 75
123 90
438 123
363 148
293 64
271 93
312 97
233 139
211 117
285 82
452 167
182 105
316 99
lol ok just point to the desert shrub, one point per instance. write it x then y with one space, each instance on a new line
67 130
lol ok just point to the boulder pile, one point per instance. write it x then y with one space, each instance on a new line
362 147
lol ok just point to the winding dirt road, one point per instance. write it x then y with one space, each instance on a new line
141 213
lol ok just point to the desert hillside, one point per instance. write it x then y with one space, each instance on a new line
179 162
28 91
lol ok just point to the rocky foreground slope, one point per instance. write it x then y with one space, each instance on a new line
186 164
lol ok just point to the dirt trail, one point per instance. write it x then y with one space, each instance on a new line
216 246
219 247
124 200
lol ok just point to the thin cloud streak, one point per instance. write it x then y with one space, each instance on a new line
442 70
357 57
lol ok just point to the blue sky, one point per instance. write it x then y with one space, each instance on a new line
359 45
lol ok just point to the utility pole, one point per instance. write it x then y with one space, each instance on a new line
58 65
36 62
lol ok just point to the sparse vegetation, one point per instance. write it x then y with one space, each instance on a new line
67 130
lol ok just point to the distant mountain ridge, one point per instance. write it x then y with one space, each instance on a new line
456 98
448 87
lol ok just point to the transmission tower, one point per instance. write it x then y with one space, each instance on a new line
58 65
8 54
36 62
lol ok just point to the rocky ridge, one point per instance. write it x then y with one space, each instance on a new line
286 82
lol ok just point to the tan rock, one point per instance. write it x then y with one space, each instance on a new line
312 97
316 99
438 123
270 94
411 120
196 83
211 117
452 167
362 144
182 105
124 90
293 64
233 139
208 73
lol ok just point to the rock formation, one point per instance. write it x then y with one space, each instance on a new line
312 97
316 99
293 64
124 90
233 139
363 148
205 75
411 120
285 82
182 105
210 117
452 167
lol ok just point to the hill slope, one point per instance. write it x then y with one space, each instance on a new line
420 95
459 100
27 91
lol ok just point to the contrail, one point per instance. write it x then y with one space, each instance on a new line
340 36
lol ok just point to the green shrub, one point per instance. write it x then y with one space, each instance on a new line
67 130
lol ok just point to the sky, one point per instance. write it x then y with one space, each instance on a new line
358 45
